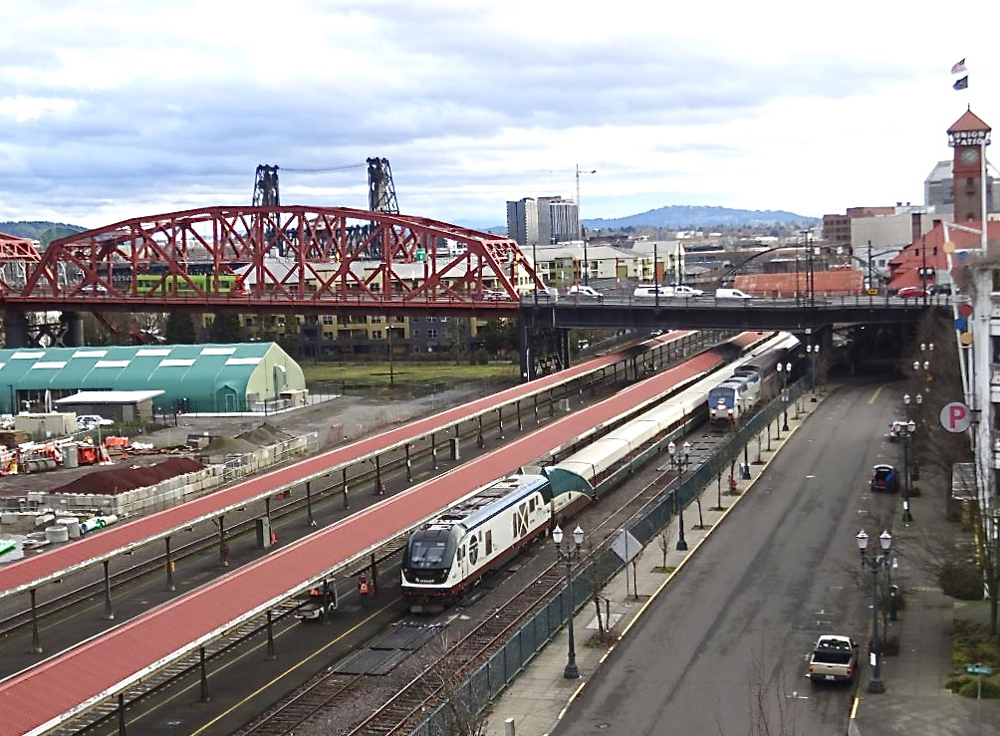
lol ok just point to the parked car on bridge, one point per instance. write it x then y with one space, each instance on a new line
910 292
584 291
732 294
550 294
686 291
491 295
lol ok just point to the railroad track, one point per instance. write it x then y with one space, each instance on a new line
323 692
430 688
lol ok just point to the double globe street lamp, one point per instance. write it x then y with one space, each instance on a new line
785 371
569 556
874 563
813 352
680 462
908 429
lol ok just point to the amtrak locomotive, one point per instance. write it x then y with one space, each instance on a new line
453 552
752 382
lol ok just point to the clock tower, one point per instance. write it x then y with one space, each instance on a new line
969 136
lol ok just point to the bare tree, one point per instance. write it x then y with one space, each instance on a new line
665 540
466 707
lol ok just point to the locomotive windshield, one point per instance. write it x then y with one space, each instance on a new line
430 550
721 396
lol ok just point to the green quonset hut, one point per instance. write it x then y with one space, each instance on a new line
194 378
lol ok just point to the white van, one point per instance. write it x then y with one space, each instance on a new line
587 292
650 291
731 294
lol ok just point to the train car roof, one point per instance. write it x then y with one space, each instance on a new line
502 495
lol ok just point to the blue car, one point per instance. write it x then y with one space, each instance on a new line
884 478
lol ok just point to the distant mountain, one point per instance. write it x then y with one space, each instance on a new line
44 232
685 217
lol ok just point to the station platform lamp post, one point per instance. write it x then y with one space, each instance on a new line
785 371
680 462
813 352
569 556
875 563
907 439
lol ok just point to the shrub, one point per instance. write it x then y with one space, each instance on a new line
961 579
968 687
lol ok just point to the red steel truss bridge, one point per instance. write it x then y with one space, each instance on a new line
271 259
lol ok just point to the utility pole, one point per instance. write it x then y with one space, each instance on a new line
579 225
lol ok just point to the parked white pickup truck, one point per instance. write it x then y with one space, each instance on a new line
673 291
834 659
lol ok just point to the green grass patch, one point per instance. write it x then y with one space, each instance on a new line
971 643
666 570
418 377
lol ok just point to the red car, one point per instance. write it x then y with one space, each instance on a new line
906 292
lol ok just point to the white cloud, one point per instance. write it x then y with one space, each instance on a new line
121 109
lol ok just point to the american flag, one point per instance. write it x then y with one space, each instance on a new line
959 67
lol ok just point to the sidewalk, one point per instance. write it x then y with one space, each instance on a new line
537 698
915 700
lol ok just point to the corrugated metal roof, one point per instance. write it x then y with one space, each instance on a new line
194 372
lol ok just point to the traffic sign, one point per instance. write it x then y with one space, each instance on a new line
979 669
955 417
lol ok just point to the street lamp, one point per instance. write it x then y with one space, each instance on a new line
680 462
785 371
570 672
910 427
813 352
875 684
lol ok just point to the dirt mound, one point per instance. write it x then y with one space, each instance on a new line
114 481
265 434
221 445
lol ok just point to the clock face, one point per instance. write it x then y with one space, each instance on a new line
969 155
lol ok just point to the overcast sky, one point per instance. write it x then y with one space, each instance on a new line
113 110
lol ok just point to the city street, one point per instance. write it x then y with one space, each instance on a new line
727 643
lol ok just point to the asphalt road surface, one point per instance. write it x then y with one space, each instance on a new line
724 651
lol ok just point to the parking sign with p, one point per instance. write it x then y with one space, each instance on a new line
955 417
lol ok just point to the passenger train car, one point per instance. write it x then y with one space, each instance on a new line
452 553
